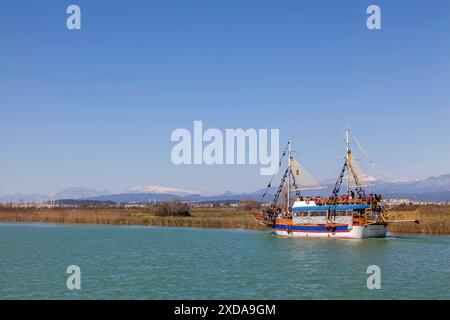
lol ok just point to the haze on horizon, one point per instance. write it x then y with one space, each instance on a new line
96 107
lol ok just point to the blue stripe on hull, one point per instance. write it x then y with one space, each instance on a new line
284 227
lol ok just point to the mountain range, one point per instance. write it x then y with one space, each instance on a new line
435 189
75 193
431 189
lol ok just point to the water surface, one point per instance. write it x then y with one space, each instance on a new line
179 263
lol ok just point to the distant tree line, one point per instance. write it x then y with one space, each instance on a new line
173 208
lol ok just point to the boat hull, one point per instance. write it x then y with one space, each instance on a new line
356 232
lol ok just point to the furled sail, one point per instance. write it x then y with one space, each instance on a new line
301 179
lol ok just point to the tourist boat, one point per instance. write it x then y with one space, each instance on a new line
349 215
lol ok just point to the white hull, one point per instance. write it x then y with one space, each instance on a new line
357 232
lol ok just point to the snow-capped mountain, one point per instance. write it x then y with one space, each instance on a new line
440 183
160 190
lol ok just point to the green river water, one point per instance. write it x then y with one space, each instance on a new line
176 263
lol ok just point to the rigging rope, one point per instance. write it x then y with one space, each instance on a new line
273 176
280 188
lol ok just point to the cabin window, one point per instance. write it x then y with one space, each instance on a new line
301 214
321 213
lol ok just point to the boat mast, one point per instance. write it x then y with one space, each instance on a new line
289 175
347 149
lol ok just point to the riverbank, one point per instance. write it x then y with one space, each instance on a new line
230 218
433 219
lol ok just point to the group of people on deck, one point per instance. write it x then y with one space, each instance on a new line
351 198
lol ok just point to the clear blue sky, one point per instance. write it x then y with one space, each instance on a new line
96 107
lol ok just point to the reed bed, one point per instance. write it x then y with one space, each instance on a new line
72 216
432 219
200 218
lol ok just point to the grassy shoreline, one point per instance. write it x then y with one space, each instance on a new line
434 220
229 218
